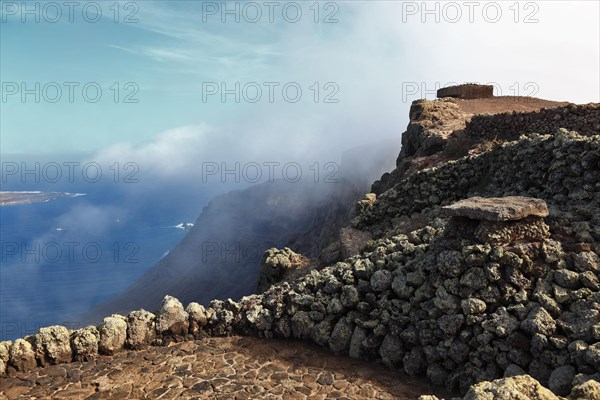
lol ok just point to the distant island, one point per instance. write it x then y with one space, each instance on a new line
21 198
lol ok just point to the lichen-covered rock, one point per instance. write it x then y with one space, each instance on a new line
141 330
112 334
198 318
589 390
276 264
260 318
592 355
321 332
349 297
171 318
366 202
22 355
501 323
84 343
539 321
53 345
586 261
522 387
4 356
473 306
4 350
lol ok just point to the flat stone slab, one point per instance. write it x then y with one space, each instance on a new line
509 208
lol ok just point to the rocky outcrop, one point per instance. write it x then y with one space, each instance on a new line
277 265
448 129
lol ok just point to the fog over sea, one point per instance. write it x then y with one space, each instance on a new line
62 257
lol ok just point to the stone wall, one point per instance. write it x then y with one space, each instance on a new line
562 168
458 311
467 91
584 119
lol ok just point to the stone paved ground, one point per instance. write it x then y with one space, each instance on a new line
218 368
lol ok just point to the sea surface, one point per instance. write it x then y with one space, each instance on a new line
60 258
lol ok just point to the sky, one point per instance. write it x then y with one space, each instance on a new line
350 70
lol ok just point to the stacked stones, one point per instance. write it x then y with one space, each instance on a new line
56 344
562 169
584 119
440 302
467 91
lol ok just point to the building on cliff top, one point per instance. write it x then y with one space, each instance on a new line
467 91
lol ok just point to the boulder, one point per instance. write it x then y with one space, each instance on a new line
277 264
589 390
53 345
521 387
560 380
171 318
84 342
141 330
22 355
339 342
113 333
198 318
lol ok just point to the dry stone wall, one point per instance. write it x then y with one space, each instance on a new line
562 168
584 119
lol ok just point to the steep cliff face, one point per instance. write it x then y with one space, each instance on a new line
220 256
435 133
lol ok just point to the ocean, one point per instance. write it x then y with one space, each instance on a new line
62 257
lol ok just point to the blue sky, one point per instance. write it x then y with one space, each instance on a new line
369 54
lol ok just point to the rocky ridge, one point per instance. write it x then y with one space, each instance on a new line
462 301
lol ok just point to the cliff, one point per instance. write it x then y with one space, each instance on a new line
220 256
481 274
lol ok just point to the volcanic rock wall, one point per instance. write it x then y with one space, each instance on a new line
509 126
562 168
